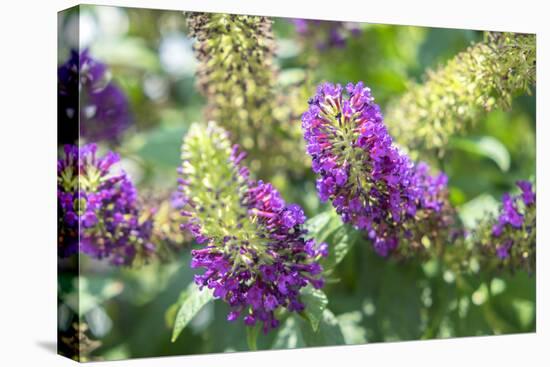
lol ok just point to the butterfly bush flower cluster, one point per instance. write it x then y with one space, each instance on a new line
98 208
254 251
511 236
84 84
370 182
326 34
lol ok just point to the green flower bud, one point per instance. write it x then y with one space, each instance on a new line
238 77
484 77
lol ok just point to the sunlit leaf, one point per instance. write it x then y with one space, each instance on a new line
485 146
191 302
321 225
525 310
340 242
474 210
127 52
316 302
329 332
93 292
289 335
350 325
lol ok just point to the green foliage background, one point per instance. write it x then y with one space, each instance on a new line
131 311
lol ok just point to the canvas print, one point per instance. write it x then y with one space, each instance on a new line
230 183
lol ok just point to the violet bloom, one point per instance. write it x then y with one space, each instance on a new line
527 193
326 34
509 216
255 254
516 220
370 182
98 210
84 85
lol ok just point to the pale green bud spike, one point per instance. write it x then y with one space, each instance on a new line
238 77
216 188
484 77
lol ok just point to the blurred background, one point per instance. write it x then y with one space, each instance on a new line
150 58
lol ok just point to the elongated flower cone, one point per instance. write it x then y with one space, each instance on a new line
98 208
254 253
370 182
453 97
509 240
237 75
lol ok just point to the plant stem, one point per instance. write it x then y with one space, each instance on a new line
252 337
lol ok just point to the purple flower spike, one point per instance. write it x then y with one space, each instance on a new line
370 182
513 232
254 252
84 85
98 210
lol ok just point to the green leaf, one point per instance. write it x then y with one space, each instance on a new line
93 292
289 336
315 301
322 225
329 332
291 76
328 227
127 52
485 146
476 209
525 310
350 325
515 301
340 242
192 300
161 147
297 333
